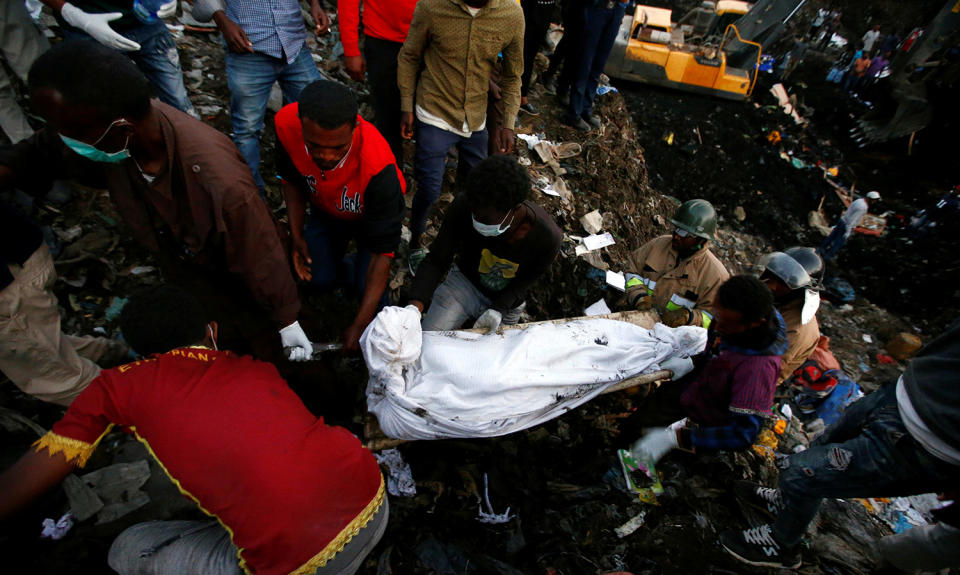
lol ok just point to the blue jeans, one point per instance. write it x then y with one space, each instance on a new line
327 240
456 300
600 26
157 58
429 163
250 77
866 453
831 244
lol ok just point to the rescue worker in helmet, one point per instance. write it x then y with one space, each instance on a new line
793 277
677 274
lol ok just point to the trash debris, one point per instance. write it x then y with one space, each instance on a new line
630 526
640 477
903 346
399 475
616 280
141 270
56 530
117 486
598 241
112 312
598 307
489 515
867 338
69 234
786 102
592 222
766 444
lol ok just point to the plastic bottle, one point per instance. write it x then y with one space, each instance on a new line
146 10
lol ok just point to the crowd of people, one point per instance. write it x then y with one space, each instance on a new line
215 341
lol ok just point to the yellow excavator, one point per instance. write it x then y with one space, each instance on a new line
714 49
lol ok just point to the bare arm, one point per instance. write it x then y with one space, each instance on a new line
296 213
378 272
29 478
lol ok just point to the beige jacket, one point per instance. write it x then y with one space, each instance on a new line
696 278
446 61
802 339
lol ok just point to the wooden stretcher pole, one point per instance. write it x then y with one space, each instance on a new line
375 440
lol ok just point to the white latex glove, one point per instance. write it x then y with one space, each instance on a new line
293 337
489 320
680 424
655 444
98 26
167 10
680 366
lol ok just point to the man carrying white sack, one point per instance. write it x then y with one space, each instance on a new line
502 241
723 402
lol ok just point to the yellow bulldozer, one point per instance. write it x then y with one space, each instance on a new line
714 49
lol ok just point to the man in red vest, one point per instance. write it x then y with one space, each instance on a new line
329 156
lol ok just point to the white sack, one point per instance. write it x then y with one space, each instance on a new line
432 385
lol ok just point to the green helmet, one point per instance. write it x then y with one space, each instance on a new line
697 217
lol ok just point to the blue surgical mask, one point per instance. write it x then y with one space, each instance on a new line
91 152
491 230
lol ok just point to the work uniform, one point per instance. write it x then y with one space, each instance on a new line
361 198
802 338
691 282
289 491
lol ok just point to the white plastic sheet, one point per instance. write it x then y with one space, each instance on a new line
432 385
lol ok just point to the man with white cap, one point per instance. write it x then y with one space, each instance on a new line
850 219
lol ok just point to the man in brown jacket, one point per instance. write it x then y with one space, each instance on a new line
181 187
445 66
797 301
678 275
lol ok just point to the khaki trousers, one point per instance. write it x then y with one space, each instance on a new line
34 353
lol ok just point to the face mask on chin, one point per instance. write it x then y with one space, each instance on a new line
91 152
492 230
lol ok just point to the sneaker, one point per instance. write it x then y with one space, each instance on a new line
592 120
756 546
529 109
764 499
415 258
578 124
564 98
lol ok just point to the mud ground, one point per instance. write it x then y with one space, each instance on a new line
561 480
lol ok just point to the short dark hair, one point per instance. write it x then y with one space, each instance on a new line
499 182
747 295
160 318
86 73
329 104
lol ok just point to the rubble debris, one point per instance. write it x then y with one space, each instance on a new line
903 346
399 476
58 529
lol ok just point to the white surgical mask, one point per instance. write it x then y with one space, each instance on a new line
492 230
